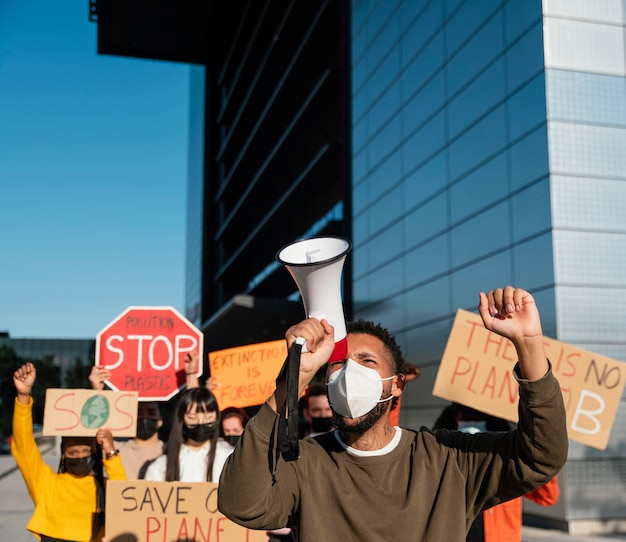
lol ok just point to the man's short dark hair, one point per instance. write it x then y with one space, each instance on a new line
376 330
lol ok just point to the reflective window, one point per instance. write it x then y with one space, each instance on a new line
478 53
423 67
386 209
532 262
525 58
427 260
385 141
479 189
527 109
468 19
519 15
587 150
426 181
421 31
584 46
468 239
588 203
530 211
608 11
426 221
586 97
479 143
604 261
483 94
529 158
426 102
423 144
384 108
385 176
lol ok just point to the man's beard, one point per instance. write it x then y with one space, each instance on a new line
360 425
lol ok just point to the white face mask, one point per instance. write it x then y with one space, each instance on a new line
354 390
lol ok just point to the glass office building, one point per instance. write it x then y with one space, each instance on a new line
489 148
460 145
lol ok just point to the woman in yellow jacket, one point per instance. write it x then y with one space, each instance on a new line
69 505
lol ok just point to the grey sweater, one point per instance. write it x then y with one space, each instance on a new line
429 488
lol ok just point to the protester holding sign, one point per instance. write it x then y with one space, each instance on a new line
136 453
370 481
195 453
69 505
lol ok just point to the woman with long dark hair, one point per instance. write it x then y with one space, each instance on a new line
69 504
194 451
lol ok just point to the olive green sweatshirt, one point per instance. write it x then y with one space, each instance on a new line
430 487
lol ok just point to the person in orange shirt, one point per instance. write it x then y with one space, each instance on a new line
503 522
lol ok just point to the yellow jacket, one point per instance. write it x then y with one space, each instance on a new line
64 504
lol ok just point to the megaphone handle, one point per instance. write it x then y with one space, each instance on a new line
302 343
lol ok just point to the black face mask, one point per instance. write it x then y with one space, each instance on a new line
200 432
232 439
146 427
322 425
79 466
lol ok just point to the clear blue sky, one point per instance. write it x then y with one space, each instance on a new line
93 169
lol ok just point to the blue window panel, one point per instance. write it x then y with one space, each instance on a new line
425 182
527 108
427 221
383 26
385 141
423 67
470 17
360 259
409 10
385 108
483 94
384 75
388 279
360 229
385 176
360 135
480 235
529 158
586 97
483 49
427 302
519 15
387 209
421 31
427 101
361 291
479 189
483 140
531 213
483 275
525 58
360 166
533 267
427 261
426 142
386 245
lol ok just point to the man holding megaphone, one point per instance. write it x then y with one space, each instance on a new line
369 481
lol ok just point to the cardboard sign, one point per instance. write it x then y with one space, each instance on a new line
145 348
143 511
82 412
476 370
246 375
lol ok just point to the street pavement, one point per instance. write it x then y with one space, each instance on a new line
16 507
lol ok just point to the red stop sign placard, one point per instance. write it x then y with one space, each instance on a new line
145 348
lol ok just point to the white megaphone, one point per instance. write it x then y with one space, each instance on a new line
316 265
